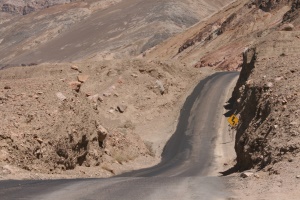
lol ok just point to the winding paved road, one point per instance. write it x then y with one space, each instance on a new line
190 160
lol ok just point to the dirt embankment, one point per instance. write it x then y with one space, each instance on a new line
267 103
267 85
92 119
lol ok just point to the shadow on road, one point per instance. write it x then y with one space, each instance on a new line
229 171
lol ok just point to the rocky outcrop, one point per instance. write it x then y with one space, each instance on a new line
248 97
293 13
268 5
267 104
209 32
24 7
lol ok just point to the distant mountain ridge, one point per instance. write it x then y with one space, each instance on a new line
99 29
24 7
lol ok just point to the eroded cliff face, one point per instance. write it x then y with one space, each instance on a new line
267 102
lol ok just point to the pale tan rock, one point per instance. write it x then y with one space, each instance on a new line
246 174
60 96
75 85
102 134
93 97
82 78
74 67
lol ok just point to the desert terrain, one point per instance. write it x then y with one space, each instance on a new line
95 88
133 101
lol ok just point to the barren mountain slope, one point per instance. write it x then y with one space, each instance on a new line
268 137
24 7
83 29
220 40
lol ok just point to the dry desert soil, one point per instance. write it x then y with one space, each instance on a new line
94 88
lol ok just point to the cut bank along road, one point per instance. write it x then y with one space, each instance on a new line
190 161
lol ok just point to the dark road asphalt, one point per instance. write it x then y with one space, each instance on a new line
185 172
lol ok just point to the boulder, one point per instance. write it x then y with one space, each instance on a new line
287 27
95 98
268 85
82 78
102 134
160 87
74 67
246 174
75 85
122 108
60 96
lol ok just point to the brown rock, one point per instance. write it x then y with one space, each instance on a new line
116 94
82 78
249 82
60 96
100 99
279 78
39 140
75 85
122 108
7 87
102 133
106 94
256 176
268 85
74 67
246 174
160 86
95 98
287 27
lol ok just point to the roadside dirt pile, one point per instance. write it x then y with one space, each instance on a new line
88 119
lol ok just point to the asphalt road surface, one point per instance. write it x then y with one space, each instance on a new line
190 160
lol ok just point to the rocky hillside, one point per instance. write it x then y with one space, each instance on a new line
260 38
24 7
221 39
98 30
267 97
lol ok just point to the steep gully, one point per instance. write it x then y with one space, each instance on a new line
190 162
